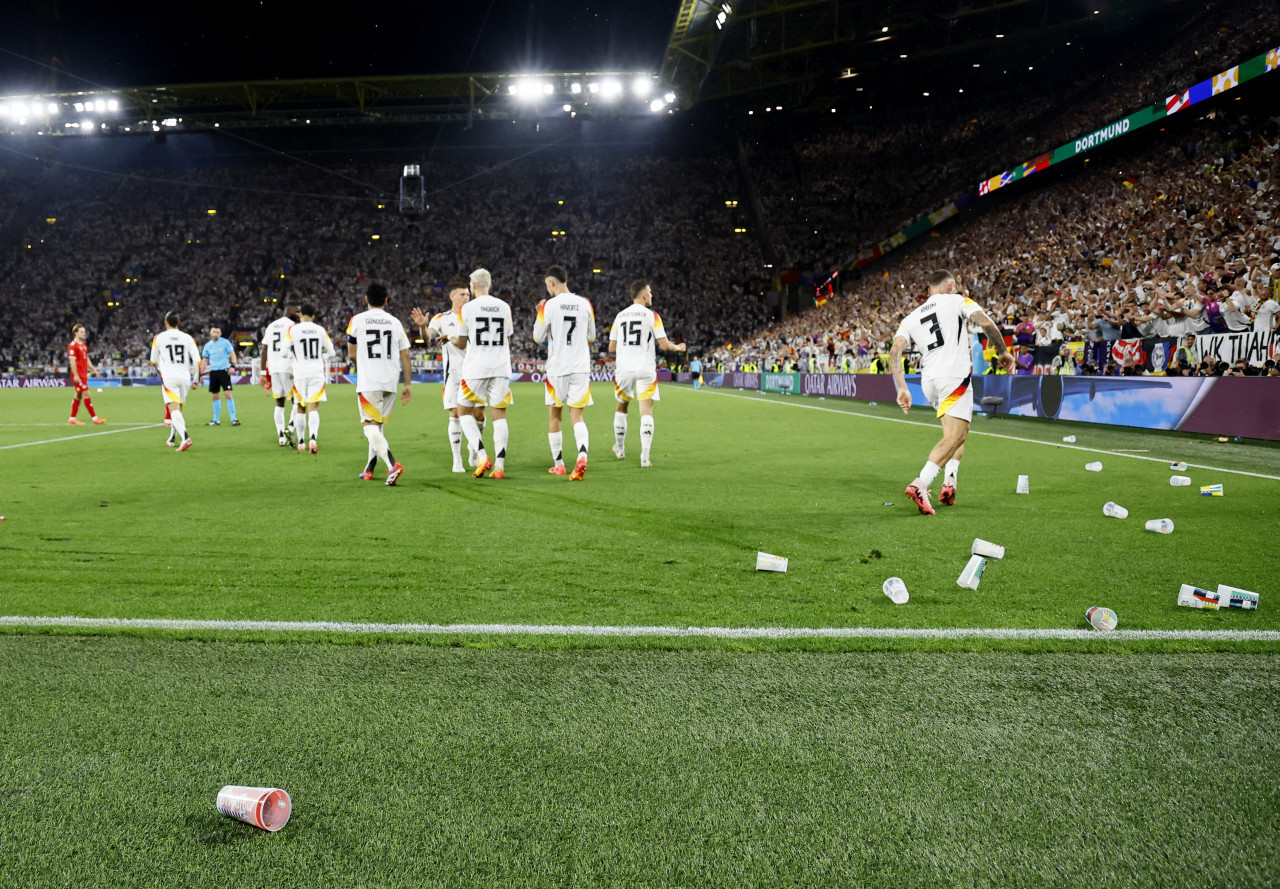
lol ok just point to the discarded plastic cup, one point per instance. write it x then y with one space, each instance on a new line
266 807
987 548
971 576
1179 481
896 590
1101 618
770 562
1178 466
1024 484
1095 466
1115 510
1069 439
1161 526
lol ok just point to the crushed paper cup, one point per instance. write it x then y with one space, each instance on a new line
770 562
1211 490
268 808
1178 466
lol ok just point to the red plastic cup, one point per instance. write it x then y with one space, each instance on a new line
266 807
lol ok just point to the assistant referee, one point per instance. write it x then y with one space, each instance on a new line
217 355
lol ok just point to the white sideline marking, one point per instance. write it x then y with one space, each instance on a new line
1056 444
27 444
380 629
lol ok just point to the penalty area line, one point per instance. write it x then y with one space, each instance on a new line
633 632
27 444
1054 444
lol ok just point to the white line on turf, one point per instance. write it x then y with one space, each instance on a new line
27 444
1056 444
381 629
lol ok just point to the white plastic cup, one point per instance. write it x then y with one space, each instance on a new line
1115 510
1191 596
1178 466
1103 619
896 590
987 548
266 807
1095 466
971 576
1024 484
1161 526
770 562
1069 439
1179 481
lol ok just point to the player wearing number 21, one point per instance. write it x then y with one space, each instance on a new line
377 344
485 338
635 331
939 329
567 325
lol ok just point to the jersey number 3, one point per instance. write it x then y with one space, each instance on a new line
934 328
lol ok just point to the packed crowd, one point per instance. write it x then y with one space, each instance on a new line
1185 240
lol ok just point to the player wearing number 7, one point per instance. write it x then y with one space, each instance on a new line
379 348
939 330
567 325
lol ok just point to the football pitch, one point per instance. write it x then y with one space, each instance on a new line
538 682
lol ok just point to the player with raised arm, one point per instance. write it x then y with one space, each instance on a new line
277 376
567 325
443 328
311 351
81 367
379 349
635 332
485 338
939 330
177 357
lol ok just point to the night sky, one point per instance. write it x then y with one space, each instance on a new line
266 39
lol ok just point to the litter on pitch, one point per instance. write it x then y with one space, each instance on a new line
1179 481
971 576
1103 619
986 548
1211 490
268 808
1191 596
1178 466
1115 510
1069 439
896 590
1024 484
1160 526
1095 466
770 562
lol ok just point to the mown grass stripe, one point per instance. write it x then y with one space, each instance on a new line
385 629
27 444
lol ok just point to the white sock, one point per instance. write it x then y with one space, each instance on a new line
620 429
500 443
279 415
581 438
953 469
646 435
313 423
929 473
556 440
179 422
378 442
455 439
300 426
471 429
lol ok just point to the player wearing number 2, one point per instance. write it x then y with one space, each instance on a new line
567 325
278 379
634 333
379 348
312 350
485 338
939 330
177 357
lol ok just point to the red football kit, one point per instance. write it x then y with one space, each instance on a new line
78 354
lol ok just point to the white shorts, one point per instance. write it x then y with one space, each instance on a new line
375 407
281 384
629 385
491 391
176 390
452 384
573 390
309 390
952 396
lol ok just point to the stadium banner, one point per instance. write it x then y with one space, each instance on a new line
787 384
597 376
34 382
739 380
1255 347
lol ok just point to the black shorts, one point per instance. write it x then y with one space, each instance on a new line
219 380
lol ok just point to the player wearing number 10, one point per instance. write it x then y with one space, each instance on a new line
939 329
380 350
311 350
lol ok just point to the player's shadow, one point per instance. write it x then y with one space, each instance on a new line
213 829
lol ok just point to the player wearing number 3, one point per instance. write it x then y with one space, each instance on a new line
485 337
379 348
939 330
567 325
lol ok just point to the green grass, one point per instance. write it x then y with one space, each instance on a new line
426 766
237 528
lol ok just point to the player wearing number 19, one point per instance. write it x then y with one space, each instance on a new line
634 333
567 324
380 350
939 329
312 350
177 357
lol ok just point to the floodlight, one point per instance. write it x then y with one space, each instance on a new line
669 98
593 88
513 89
642 86
657 105
568 107
113 105
548 89
79 106
19 109
86 125
52 107
612 89
575 88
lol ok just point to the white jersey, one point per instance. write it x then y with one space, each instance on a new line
274 346
379 339
176 355
636 332
567 325
1265 320
448 324
486 323
939 330
311 349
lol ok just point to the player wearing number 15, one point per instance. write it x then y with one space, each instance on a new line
177 357
567 324
378 346
636 330
939 329
312 350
